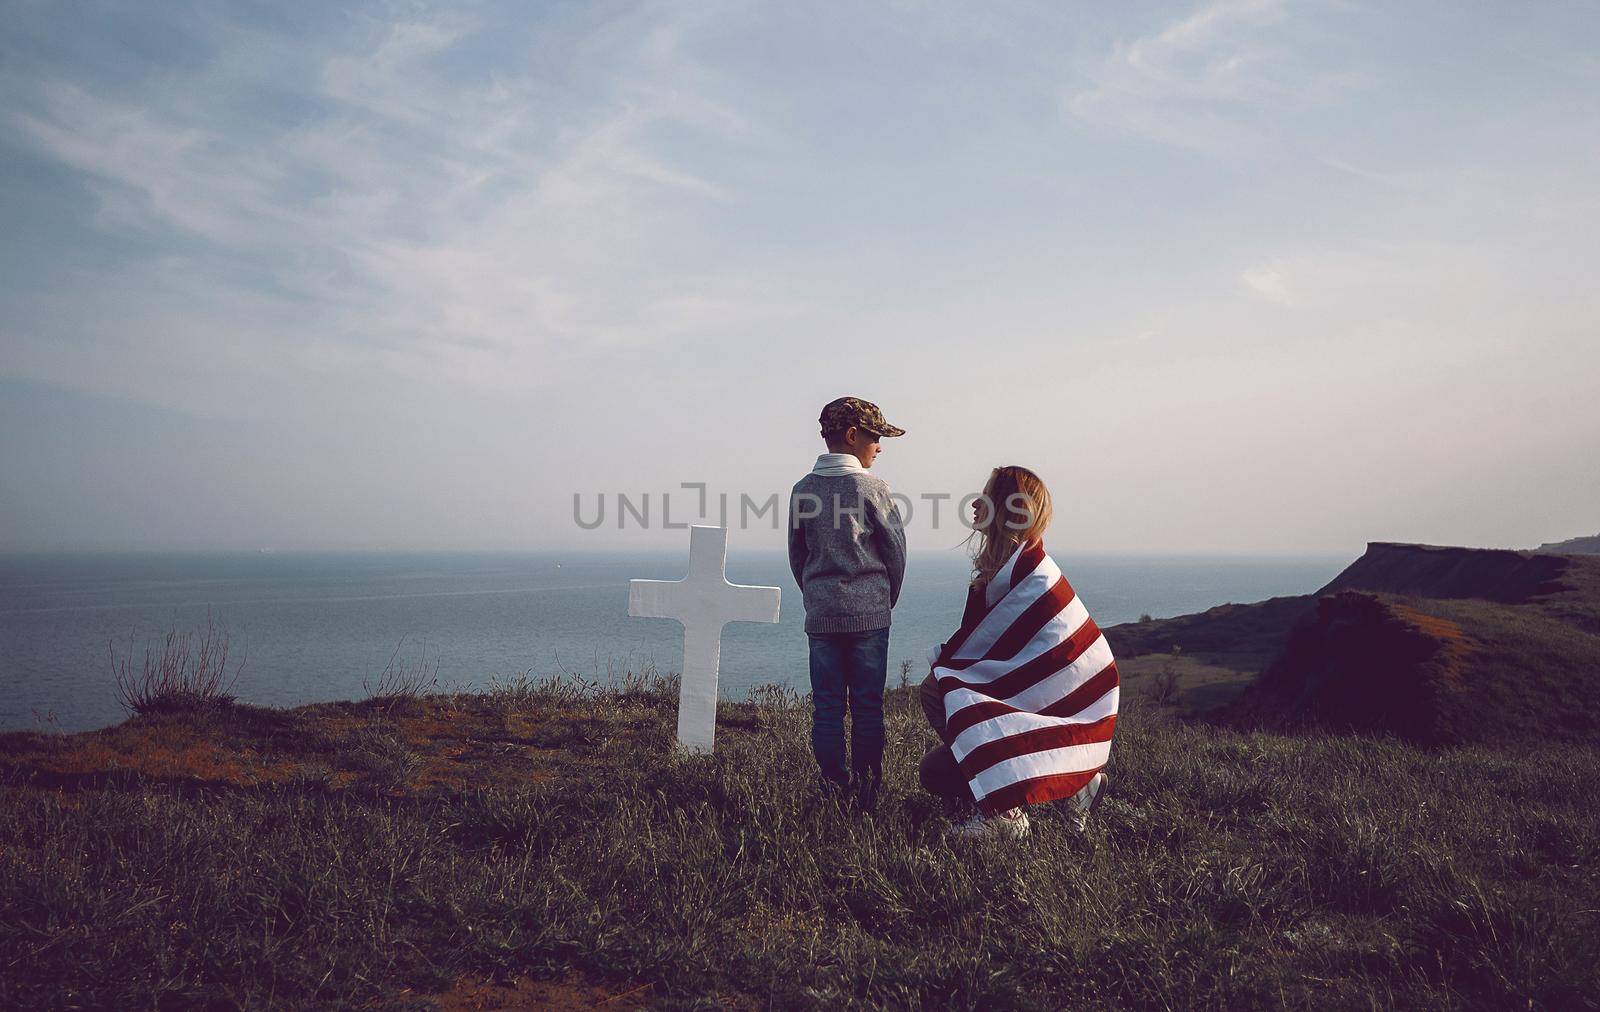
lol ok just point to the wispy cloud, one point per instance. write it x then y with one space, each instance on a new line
411 217
1268 282
1209 80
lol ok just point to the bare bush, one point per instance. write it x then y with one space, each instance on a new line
188 672
403 678
1163 688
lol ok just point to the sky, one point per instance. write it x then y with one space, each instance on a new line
1238 277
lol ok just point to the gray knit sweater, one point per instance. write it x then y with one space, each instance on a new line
849 571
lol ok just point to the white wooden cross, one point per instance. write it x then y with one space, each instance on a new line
704 601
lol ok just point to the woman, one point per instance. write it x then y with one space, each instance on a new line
1024 695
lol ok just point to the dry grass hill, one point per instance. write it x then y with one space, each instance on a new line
1435 645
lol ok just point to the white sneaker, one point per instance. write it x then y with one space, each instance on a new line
1012 825
1084 801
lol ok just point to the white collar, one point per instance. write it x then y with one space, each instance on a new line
838 463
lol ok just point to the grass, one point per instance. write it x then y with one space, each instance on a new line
366 855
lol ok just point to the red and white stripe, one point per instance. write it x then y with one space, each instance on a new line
1030 688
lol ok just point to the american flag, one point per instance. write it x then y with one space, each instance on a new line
1029 686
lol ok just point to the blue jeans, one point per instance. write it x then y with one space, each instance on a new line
848 670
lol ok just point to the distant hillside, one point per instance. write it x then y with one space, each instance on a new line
1435 644
1573 546
1247 637
1432 571
1433 671
1566 587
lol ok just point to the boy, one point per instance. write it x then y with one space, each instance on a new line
847 551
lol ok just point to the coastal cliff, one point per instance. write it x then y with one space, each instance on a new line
1437 645
1573 546
1492 574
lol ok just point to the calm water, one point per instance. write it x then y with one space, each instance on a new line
311 627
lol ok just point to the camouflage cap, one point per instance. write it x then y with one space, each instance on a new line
847 411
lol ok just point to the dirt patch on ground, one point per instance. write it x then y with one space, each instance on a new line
478 994
424 746
162 749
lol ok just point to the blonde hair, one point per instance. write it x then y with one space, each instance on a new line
1018 513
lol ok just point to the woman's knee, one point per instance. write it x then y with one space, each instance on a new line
939 772
932 701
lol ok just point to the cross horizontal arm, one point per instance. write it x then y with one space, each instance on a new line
742 603
654 599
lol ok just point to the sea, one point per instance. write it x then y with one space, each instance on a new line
314 627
